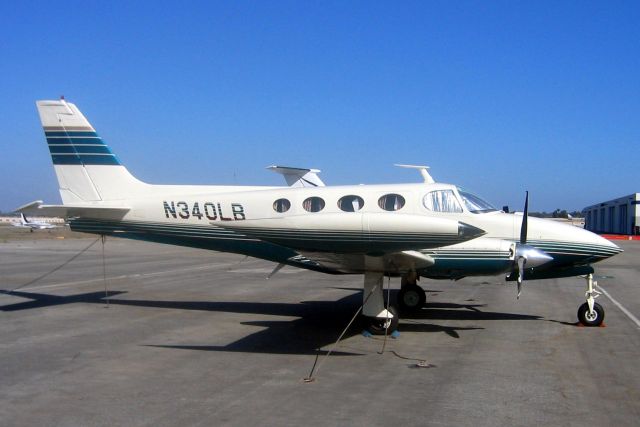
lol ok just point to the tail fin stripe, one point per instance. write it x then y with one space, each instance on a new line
66 128
72 147
85 159
69 134
80 149
75 141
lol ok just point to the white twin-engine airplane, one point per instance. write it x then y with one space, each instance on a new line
429 229
33 225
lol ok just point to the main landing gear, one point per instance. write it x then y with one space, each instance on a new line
380 319
591 313
377 319
383 325
411 297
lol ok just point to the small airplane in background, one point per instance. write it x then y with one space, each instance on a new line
427 229
33 225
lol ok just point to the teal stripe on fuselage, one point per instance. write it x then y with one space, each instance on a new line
452 268
573 247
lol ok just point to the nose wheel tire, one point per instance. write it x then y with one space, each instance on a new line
380 326
594 318
411 298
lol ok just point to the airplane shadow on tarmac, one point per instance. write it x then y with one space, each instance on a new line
38 300
317 324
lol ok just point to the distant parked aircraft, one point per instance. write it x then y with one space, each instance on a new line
33 225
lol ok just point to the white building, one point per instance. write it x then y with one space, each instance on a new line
619 216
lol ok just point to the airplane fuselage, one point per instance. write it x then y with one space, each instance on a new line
429 229
325 237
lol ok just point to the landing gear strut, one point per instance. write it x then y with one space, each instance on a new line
411 297
591 313
377 319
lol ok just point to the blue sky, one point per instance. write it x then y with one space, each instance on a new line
499 97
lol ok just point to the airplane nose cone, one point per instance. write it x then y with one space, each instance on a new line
468 232
607 247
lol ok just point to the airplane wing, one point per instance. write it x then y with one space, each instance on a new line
399 262
72 210
299 177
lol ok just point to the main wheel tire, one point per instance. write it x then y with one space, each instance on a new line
380 326
411 298
591 319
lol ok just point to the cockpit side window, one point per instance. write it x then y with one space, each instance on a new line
442 201
474 203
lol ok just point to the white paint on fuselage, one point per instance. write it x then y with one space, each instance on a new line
257 203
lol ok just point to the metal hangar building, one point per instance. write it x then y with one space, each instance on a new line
617 216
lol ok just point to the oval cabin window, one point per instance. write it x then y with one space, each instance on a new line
391 202
313 204
351 203
281 205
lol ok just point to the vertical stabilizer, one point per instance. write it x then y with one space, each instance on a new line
86 168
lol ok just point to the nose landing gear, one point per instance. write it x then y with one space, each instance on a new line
591 313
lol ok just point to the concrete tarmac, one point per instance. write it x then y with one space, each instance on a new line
190 337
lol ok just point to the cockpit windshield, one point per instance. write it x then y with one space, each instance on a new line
474 203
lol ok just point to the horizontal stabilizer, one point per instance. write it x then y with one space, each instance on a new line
424 171
73 210
299 177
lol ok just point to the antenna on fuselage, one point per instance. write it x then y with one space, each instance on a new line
424 171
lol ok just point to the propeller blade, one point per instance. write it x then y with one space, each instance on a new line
521 262
525 216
